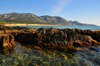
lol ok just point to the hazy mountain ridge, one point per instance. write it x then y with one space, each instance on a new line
34 19
81 24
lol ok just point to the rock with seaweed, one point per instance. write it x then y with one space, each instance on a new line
52 38
55 38
6 42
6 39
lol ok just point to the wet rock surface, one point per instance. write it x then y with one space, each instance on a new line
40 42
6 42
54 38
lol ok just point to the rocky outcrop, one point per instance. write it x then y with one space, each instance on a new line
2 26
6 41
94 34
55 38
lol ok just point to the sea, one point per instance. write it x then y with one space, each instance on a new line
66 26
26 56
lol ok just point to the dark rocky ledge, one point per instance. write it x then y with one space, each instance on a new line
57 38
6 42
51 38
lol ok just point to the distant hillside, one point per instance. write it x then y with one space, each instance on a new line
55 20
80 24
31 18
21 18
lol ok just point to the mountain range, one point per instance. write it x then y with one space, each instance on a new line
81 24
34 19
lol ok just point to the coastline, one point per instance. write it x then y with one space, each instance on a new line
52 25
28 24
70 41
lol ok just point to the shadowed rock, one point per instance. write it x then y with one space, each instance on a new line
55 38
6 41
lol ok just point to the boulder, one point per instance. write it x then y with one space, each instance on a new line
2 26
6 41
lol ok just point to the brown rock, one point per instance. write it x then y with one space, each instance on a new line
56 38
6 40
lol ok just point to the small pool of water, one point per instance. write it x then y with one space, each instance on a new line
25 56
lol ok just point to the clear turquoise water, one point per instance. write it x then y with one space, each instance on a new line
25 56
65 26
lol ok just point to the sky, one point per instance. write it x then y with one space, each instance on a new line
84 11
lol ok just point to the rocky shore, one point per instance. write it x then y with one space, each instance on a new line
49 38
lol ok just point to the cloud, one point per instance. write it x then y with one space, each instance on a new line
60 5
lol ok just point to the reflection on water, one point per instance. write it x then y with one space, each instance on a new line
25 56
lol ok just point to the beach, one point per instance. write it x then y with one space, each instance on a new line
27 25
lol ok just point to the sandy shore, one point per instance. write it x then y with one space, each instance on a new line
28 24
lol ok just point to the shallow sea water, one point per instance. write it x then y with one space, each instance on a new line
25 56
66 26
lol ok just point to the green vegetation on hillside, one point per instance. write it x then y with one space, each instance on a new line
32 19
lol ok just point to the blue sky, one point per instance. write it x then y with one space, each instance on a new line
84 11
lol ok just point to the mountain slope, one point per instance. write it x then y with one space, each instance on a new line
21 17
55 20
81 24
31 18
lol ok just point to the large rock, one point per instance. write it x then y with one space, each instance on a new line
6 41
55 38
2 26
94 34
